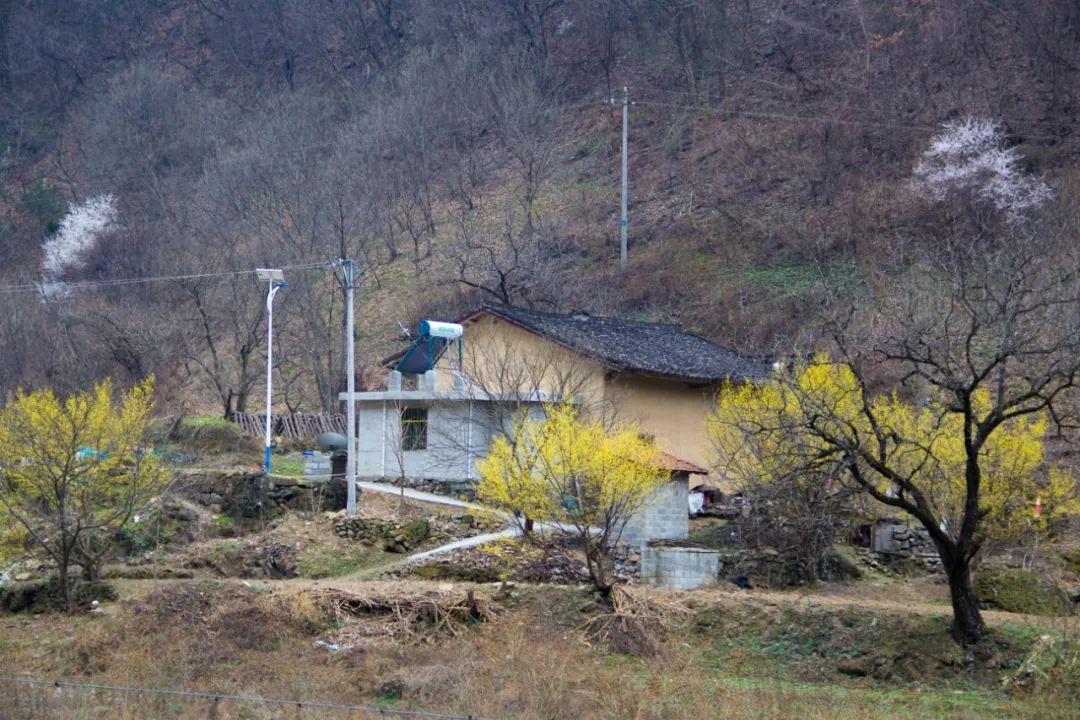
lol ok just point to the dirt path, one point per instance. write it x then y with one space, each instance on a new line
862 597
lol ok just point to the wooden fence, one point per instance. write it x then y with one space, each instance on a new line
297 425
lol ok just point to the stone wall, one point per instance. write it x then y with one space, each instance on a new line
903 548
904 540
760 567
250 497
682 568
666 516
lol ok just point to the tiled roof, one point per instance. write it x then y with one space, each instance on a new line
653 348
670 462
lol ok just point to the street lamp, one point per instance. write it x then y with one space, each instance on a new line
275 280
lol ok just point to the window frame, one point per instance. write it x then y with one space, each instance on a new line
413 428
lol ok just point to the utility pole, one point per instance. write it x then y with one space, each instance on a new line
623 222
275 281
348 268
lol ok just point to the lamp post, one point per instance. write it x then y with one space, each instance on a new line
275 280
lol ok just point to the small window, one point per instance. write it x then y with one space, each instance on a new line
414 429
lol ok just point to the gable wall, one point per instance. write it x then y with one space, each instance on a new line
501 357
673 412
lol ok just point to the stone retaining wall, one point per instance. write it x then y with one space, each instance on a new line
249 496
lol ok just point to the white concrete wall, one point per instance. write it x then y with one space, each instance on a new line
445 458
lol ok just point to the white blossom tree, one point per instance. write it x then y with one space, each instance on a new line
81 227
970 155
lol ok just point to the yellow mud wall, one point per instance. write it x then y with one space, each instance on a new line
674 413
501 357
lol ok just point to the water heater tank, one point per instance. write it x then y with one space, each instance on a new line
330 442
445 330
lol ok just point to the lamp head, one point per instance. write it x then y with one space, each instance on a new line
274 276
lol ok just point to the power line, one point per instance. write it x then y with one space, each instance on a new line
1006 120
197 694
114 282
821 119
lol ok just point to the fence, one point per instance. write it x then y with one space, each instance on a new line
32 698
296 425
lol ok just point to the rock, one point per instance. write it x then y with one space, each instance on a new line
177 509
1020 591
856 667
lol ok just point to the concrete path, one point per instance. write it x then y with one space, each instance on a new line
419 495
460 544
441 500
511 531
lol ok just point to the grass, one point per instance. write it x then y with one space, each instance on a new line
206 421
737 659
793 279
291 465
316 563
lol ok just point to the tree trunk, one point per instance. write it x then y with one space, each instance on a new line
595 560
967 625
65 581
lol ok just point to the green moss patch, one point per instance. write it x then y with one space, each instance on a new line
1020 591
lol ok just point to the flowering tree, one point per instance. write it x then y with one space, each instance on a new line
970 155
72 473
79 231
572 473
966 474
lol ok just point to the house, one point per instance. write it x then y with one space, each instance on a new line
446 399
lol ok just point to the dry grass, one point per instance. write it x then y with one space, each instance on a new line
531 660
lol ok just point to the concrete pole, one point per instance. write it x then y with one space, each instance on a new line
349 268
625 132
274 287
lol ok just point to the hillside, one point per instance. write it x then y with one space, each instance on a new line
471 152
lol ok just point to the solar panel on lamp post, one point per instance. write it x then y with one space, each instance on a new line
275 280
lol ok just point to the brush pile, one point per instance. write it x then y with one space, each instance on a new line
636 623
403 616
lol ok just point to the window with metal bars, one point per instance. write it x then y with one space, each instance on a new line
414 423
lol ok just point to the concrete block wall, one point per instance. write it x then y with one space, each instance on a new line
666 516
317 465
681 568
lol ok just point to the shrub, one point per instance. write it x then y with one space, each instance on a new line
44 203
213 436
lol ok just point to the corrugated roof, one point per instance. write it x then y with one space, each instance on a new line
654 348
